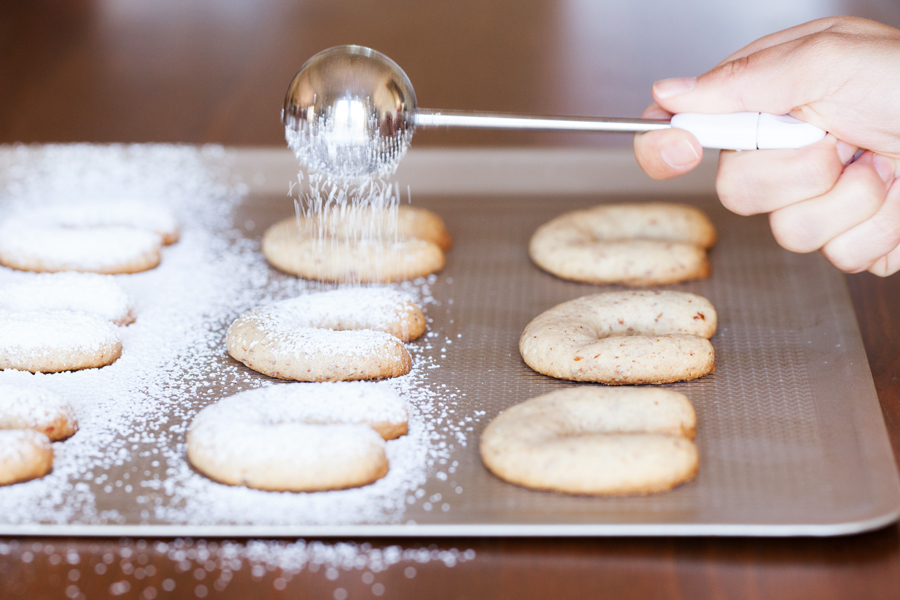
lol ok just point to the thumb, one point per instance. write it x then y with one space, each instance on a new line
778 80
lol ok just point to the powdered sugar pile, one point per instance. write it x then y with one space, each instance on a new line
126 465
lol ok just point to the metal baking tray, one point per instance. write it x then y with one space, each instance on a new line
790 432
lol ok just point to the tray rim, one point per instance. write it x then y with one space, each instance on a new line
463 531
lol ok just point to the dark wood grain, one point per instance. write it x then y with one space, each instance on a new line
216 71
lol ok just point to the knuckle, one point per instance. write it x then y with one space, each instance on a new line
820 166
732 189
733 71
841 258
731 197
790 234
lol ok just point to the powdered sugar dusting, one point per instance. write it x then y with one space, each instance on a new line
126 465
121 212
347 402
19 445
82 292
57 248
31 408
31 334
296 425
375 308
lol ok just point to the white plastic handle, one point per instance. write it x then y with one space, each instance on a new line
748 130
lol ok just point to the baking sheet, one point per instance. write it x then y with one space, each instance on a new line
790 433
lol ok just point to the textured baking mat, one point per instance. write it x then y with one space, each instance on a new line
790 432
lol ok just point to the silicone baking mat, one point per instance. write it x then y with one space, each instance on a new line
790 433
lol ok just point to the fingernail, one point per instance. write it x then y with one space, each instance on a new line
845 151
884 166
666 88
679 154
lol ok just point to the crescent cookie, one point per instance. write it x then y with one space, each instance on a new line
39 410
341 335
81 292
623 338
298 438
24 455
49 341
98 237
29 420
366 246
634 244
593 440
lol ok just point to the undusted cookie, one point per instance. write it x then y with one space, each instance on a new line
347 334
24 455
60 340
593 440
36 409
634 244
367 246
623 338
298 438
97 237
421 223
81 292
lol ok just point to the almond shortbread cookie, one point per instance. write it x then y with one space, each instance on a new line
364 245
36 409
24 455
623 338
634 244
98 237
298 438
346 334
81 292
29 420
593 440
49 341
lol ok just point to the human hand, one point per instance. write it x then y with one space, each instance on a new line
841 74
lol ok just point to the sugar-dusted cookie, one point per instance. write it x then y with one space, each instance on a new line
81 292
623 338
595 440
361 245
298 437
98 237
29 419
24 455
346 334
48 341
40 410
635 244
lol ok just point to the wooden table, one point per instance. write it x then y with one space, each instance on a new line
216 71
